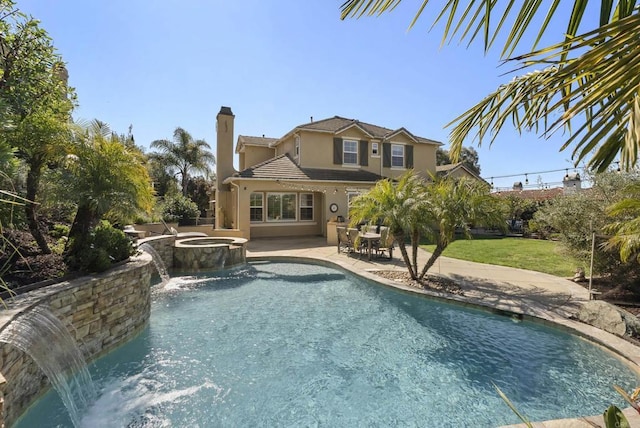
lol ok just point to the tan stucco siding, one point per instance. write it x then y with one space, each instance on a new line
316 150
253 155
324 194
225 209
286 146
424 159
265 228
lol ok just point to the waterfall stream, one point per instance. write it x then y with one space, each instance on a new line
157 261
42 336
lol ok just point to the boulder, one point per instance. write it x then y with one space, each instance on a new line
610 318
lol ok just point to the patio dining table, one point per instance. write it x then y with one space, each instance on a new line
370 238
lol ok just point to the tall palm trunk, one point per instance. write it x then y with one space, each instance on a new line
437 252
415 239
185 182
80 233
405 256
30 209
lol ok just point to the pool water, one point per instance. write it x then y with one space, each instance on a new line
283 344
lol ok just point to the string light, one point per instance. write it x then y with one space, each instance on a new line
527 173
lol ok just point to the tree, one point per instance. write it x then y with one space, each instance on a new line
35 101
576 216
184 154
399 206
455 205
104 177
626 225
589 78
518 208
164 183
201 191
468 156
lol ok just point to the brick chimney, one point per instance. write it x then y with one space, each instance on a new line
224 147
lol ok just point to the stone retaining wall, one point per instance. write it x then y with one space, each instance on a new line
163 246
102 312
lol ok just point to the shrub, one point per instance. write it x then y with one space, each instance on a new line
59 231
106 245
114 241
179 208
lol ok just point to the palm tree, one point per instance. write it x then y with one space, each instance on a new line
455 204
103 177
398 206
590 78
626 227
185 154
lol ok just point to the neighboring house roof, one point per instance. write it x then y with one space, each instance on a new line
247 140
282 167
450 168
337 124
533 194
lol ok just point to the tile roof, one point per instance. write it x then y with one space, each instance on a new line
448 167
282 167
253 141
445 170
336 124
532 194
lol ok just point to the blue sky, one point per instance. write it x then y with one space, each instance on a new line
159 65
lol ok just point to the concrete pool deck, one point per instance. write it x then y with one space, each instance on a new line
545 297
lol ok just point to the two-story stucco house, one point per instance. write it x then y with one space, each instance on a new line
293 185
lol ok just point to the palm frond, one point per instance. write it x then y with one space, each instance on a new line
600 87
476 18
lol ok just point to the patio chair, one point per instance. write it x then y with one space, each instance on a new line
354 240
343 240
386 242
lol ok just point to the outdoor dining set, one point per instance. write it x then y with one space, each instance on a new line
369 240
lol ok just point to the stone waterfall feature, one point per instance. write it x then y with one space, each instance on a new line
157 261
42 336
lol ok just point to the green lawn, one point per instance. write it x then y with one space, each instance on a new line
531 254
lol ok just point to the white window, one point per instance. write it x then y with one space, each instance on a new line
350 152
256 207
281 206
397 156
374 149
306 206
297 147
350 197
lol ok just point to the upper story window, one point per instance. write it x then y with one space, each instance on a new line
374 149
256 207
350 152
397 156
297 147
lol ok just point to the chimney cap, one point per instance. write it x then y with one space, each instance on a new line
226 111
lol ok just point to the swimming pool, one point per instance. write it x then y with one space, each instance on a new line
283 344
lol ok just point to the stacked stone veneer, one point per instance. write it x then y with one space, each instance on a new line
217 256
102 312
182 255
164 247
